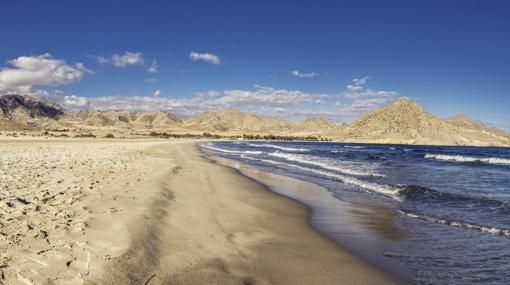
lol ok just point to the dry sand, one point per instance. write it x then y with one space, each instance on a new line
153 212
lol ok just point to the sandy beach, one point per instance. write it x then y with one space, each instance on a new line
153 212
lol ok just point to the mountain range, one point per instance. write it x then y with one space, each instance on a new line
402 121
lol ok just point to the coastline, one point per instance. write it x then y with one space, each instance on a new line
169 215
362 230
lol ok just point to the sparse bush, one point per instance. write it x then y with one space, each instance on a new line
89 135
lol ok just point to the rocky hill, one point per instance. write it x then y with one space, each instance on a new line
317 126
158 119
466 121
236 121
405 121
29 113
26 112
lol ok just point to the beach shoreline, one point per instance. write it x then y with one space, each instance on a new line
168 216
362 230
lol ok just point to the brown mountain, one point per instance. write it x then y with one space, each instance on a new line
9 104
402 121
405 121
318 125
158 119
26 112
236 121
466 121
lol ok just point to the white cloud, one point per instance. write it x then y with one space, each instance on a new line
75 101
153 68
208 94
267 96
364 100
360 81
292 104
41 70
151 80
128 58
258 99
103 60
296 73
208 57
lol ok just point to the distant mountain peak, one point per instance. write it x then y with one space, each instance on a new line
31 106
402 121
463 118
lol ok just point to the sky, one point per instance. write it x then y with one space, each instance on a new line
290 59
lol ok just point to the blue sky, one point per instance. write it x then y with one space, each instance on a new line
350 56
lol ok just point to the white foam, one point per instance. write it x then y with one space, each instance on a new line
386 190
458 224
460 158
366 186
278 147
353 146
230 151
322 162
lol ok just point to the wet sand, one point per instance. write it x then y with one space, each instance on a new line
154 212
365 230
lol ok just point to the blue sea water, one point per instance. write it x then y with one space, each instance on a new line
450 204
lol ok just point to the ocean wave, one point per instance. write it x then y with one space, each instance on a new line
370 187
321 162
410 191
264 160
458 224
279 147
460 158
383 189
354 146
229 151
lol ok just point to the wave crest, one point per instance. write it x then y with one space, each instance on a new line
461 158
321 162
458 224
278 147
229 151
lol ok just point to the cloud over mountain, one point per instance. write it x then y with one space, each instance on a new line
362 99
25 72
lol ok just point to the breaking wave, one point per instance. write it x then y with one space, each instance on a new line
321 162
230 151
458 224
371 187
460 158
279 147
354 146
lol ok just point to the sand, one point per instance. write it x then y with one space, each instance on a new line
153 212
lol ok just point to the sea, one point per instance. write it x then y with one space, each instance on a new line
425 214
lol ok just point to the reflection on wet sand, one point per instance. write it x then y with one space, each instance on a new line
364 230
379 221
